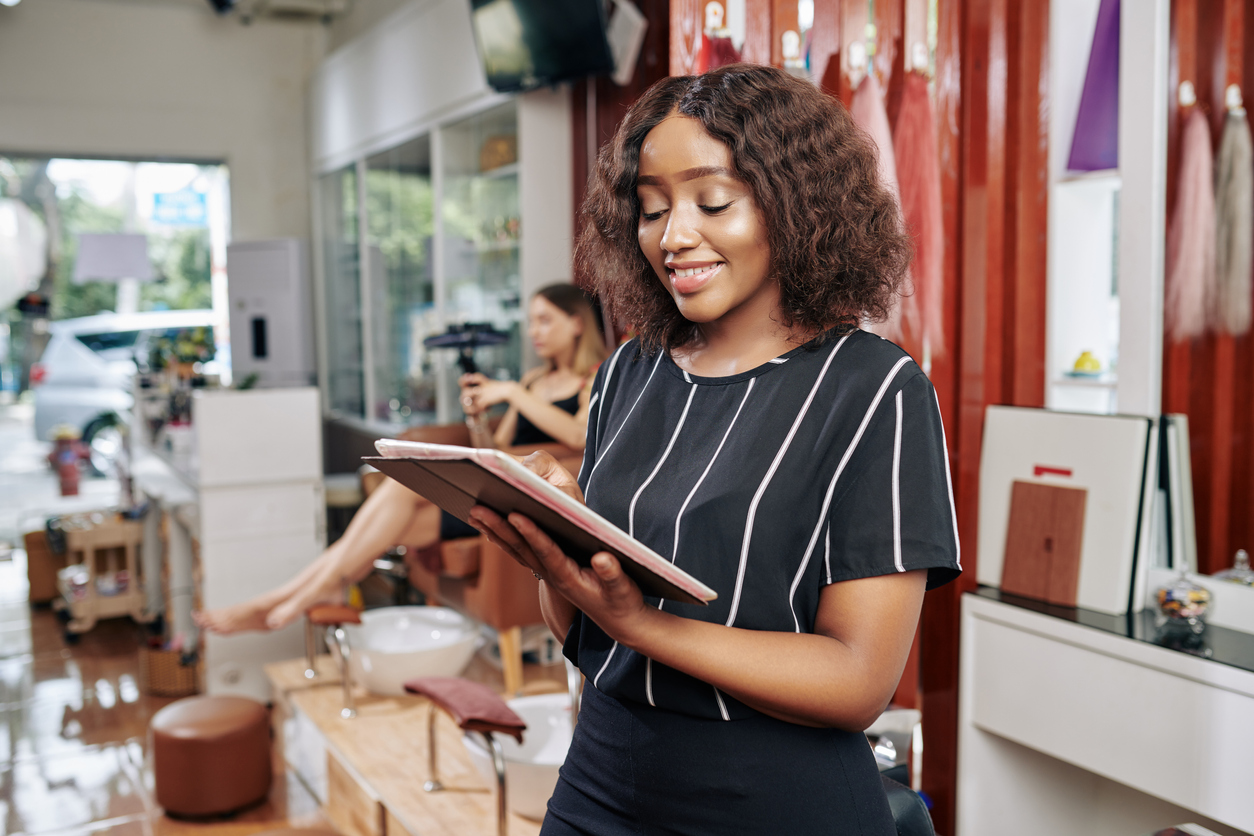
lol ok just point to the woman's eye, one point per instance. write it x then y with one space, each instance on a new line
652 216
714 210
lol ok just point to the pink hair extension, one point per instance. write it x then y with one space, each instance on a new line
1190 280
867 110
918 172
1234 225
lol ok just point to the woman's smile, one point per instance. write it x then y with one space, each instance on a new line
692 279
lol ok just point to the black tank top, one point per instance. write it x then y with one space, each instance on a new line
526 432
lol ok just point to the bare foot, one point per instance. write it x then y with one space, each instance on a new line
250 615
296 604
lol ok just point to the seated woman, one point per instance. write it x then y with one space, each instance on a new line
548 409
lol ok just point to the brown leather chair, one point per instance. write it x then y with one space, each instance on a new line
472 575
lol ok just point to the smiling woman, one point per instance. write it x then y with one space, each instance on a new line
763 443
834 237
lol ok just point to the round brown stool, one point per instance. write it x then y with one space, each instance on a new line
210 755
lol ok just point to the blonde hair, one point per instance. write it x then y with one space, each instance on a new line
590 350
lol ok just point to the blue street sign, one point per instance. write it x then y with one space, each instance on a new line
181 208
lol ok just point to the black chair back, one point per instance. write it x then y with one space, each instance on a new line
909 812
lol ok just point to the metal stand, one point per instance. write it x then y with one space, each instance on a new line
311 650
433 783
337 639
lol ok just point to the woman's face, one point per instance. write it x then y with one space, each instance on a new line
700 227
551 329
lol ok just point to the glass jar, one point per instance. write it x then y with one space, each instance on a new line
1240 571
1182 604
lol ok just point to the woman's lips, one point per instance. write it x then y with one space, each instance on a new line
692 279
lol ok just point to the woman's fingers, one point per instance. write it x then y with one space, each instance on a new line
604 582
499 532
547 468
556 566
505 536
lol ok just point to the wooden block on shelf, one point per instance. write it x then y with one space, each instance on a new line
1044 537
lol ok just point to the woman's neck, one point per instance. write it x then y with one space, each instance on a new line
726 348
563 363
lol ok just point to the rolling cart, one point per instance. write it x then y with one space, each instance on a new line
90 591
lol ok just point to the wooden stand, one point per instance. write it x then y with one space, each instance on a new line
85 611
368 772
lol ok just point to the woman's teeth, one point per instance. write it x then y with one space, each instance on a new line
690 271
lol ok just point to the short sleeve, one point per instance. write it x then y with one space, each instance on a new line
896 513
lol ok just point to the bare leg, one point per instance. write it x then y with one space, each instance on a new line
251 614
392 514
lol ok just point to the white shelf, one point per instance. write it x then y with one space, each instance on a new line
1106 381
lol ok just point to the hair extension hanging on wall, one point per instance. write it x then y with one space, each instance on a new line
919 181
867 110
1190 282
1234 224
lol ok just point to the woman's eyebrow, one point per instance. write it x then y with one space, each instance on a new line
687 174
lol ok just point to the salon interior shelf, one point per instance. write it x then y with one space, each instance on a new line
368 772
1074 722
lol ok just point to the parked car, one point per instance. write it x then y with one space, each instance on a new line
84 376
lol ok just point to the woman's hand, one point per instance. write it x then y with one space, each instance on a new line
602 591
480 392
506 536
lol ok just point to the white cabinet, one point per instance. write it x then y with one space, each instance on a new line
1064 728
250 493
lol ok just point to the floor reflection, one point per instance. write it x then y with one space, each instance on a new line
73 734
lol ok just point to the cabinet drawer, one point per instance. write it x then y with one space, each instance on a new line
1172 736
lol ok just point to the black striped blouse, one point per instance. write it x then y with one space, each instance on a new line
823 465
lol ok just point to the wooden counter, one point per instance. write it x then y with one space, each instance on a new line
368 772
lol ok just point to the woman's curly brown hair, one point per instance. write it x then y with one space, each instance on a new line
836 242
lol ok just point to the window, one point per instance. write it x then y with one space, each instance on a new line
400 216
341 260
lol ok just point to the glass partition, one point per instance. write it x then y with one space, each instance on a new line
338 196
442 245
400 222
481 234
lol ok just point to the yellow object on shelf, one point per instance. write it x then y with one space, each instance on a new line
1086 362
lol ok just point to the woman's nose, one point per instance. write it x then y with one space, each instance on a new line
681 231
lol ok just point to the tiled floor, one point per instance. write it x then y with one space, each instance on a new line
73 734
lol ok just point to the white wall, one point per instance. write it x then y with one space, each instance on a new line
365 15
416 67
151 80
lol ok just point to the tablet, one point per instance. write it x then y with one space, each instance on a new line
458 478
